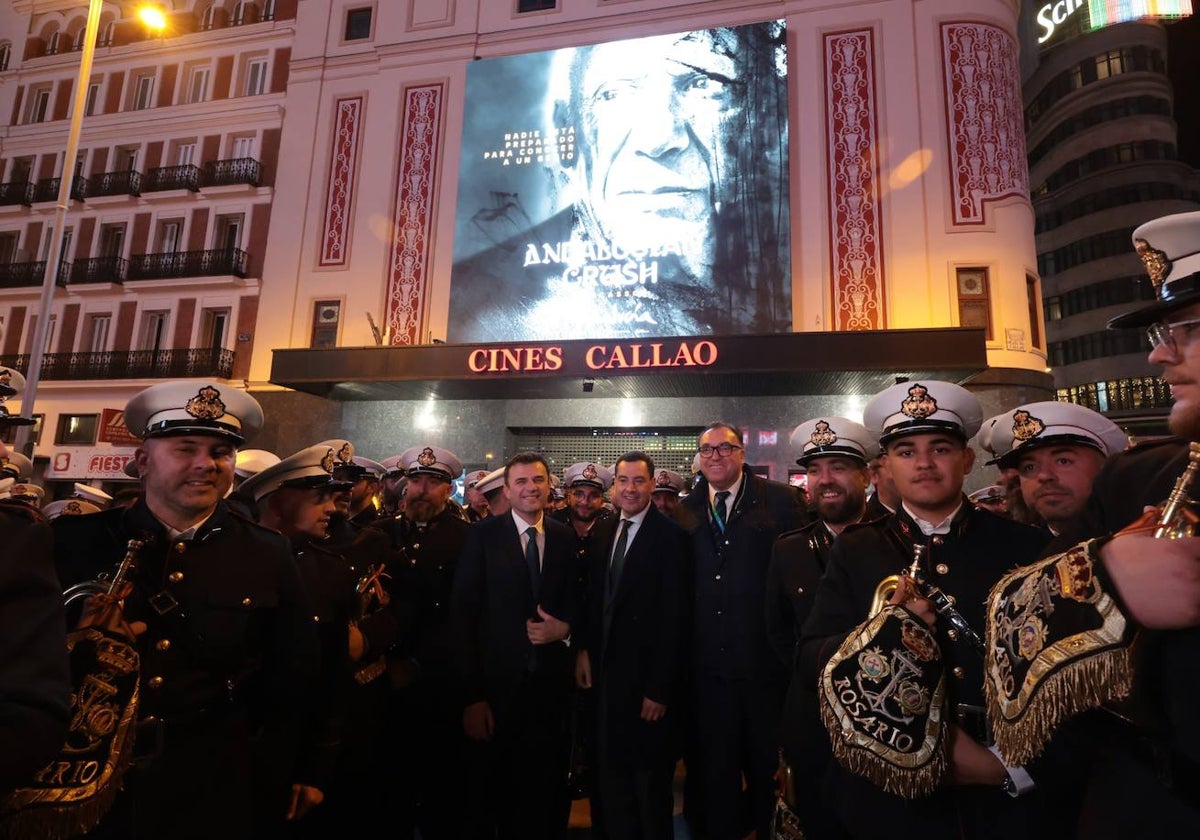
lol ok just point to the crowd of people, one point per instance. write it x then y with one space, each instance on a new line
314 645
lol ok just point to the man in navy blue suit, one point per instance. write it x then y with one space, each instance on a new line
632 654
512 607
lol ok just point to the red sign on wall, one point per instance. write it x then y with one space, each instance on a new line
113 429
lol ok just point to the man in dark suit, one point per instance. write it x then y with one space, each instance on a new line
738 682
632 655
512 607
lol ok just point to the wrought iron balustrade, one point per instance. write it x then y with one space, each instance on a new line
188 264
131 364
221 173
16 192
18 274
47 189
172 178
99 270
116 183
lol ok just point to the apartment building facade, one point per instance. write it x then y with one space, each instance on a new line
1103 159
271 193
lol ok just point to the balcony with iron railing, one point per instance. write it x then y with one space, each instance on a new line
47 189
16 192
128 182
17 275
223 173
98 270
131 364
162 178
188 264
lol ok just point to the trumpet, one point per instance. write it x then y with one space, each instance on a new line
942 603
1177 518
105 584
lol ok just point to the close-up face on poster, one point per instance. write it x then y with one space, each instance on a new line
635 188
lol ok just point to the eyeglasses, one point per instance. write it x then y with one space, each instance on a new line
1167 335
722 449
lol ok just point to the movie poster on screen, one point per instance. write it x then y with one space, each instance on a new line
626 189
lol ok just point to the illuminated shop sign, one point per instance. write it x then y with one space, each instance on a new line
600 357
1053 15
625 190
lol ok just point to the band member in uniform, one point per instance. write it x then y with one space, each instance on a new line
1057 449
380 617
586 483
947 783
425 724
668 486
492 488
477 506
391 487
35 684
1120 623
738 684
631 654
296 498
993 499
835 451
884 498
225 636
513 606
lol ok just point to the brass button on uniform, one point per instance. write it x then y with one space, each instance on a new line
958 671
162 644
180 547
175 577
953 634
155 682
937 540
799 590
942 568
246 602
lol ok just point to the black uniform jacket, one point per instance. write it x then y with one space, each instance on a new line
729 634
965 563
230 652
330 583
35 682
1147 781
423 581
635 640
493 598
363 549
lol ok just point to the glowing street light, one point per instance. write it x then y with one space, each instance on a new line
33 376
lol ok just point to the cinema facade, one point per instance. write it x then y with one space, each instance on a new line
421 277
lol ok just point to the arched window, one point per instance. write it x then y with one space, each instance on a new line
53 43
208 19
5 54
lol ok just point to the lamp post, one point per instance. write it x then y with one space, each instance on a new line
23 442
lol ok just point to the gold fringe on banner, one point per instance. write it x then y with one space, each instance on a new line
883 696
1057 645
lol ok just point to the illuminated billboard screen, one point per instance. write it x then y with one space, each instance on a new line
626 189
1059 20
1103 13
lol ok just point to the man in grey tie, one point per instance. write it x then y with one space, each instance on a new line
631 656
512 609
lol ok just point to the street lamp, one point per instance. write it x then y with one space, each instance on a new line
33 376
